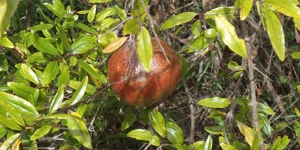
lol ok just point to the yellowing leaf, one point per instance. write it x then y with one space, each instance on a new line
247 132
275 32
229 36
246 6
13 141
117 43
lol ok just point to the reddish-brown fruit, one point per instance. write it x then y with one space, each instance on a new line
130 81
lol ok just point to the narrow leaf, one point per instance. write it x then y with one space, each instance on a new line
91 71
208 143
178 19
57 100
79 131
116 44
41 27
23 90
144 49
86 28
275 32
215 102
229 36
40 132
247 132
78 94
29 74
8 142
63 38
22 106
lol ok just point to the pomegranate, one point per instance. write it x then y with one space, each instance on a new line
130 81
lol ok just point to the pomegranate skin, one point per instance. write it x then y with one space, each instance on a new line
130 81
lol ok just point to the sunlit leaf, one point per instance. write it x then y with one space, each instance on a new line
40 132
9 123
158 122
229 36
197 145
12 140
28 73
287 8
247 132
178 19
14 114
57 100
275 32
41 27
79 131
208 143
78 94
22 90
5 42
20 105
91 71
116 44
131 27
227 147
140 134
8 8
50 72
144 49
214 129
92 14
174 133
63 37
245 6
86 28
215 102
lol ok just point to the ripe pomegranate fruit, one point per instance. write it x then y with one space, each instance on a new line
130 81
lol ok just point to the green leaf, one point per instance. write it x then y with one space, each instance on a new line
297 112
57 100
81 109
75 85
208 143
178 19
20 105
227 147
144 49
295 55
264 109
199 43
11 141
44 46
92 14
214 129
40 132
234 66
196 28
297 129
121 13
287 8
9 123
229 36
140 134
13 113
108 23
86 28
174 133
61 116
45 16
50 72
158 122
215 102
210 33
184 66
275 32
83 45
245 6
63 38
78 94
256 140
8 8
79 131
91 71
131 27
105 13
228 12
64 77
23 90
154 140
247 132
28 73
128 121
197 145
283 143
5 42
266 128
41 27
